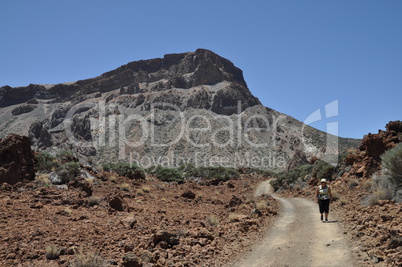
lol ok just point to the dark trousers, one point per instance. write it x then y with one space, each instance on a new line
323 205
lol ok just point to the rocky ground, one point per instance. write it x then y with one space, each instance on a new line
131 223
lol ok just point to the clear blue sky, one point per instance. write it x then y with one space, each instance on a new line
296 56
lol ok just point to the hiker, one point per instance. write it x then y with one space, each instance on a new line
324 196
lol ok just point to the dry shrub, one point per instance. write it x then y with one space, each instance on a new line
113 178
125 186
146 189
261 205
379 194
67 210
335 195
94 200
90 259
233 217
43 178
250 199
212 220
352 183
52 252
343 202
140 192
367 184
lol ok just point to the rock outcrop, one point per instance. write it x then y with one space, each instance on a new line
16 159
367 159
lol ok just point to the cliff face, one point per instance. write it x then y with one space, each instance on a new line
183 107
173 71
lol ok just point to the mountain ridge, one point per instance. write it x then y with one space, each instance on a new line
197 102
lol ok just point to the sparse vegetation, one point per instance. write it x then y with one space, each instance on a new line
69 171
140 192
352 183
52 252
212 220
45 162
261 205
125 187
146 189
221 173
233 217
43 178
335 195
90 259
320 169
125 169
169 174
392 165
65 165
94 200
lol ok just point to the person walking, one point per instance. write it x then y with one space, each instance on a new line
324 197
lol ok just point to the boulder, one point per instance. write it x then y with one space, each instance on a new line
16 159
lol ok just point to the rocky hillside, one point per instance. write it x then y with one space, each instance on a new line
183 108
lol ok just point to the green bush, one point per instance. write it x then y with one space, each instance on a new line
45 162
125 169
220 173
66 155
319 169
65 165
169 174
322 169
69 171
392 164
305 169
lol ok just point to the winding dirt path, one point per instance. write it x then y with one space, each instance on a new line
299 238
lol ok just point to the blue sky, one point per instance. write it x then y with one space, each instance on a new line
296 56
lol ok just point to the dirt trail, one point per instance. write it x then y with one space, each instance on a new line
299 238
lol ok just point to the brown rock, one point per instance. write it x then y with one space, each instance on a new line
116 202
235 201
16 159
188 194
131 260
82 184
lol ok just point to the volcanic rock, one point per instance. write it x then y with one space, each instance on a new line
16 159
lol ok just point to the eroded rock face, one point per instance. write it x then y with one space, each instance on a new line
367 160
16 159
181 71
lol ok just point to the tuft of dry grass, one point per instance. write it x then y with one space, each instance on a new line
140 192
212 220
352 183
233 217
367 184
113 178
343 202
146 189
250 199
261 205
52 252
125 187
90 259
335 195
43 178
380 194
68 211
94 200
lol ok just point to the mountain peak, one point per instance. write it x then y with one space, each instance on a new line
174 71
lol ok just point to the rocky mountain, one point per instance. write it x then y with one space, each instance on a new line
183 108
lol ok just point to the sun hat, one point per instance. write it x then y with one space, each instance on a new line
323 180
